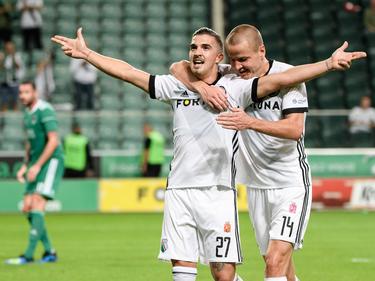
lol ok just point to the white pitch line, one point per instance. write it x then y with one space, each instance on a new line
361 260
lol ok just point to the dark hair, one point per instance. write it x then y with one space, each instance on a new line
32 83
209 31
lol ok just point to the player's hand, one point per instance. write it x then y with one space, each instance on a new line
21 173
75 48
33 172
215 97
235 119
341 60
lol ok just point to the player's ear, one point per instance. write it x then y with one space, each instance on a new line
219 57
262 50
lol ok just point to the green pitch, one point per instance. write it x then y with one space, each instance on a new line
97 247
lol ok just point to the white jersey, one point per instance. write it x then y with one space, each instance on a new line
269 162
204 152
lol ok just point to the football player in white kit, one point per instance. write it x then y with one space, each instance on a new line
271 161
200 213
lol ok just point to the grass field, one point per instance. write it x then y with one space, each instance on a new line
95 247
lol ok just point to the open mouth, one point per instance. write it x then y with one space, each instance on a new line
197 62
242 70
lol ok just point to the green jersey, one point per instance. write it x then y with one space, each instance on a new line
38 121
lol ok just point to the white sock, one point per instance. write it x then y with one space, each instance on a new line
295 277
184 273
283 278
238 278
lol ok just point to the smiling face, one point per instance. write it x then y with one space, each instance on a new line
205 54
246 50
246 61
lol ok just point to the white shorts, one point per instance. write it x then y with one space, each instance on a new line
201 224
279 214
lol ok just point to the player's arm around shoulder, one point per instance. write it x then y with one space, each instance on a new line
211 95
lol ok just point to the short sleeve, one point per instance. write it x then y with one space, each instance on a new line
164 87
294 100
49 120
240 91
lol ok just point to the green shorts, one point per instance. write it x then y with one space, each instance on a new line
48 179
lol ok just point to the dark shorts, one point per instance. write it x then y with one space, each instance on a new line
153 171
70 173
32 39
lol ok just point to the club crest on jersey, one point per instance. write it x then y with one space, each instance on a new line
292 208
227 227
164 245
33 119
187 102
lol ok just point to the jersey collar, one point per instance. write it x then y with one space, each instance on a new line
270 62
35 107
219 75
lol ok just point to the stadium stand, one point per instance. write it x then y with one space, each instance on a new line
152 34
301 31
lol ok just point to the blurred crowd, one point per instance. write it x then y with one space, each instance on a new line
17 63
22 19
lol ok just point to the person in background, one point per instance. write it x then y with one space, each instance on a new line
153 154
362 124
369 17
44 80
78 159
31 25
84 78
13 70
5 21
42 170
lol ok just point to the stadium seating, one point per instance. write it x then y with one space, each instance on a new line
335 131
151 34
313 137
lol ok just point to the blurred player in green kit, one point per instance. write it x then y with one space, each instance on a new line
42 170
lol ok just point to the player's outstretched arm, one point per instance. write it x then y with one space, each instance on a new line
77 48
212 96
340 60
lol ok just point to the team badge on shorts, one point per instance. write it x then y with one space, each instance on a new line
164 245
227 227
292 208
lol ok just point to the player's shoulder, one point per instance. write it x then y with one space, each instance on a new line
231 77
44 106
278 66
170 79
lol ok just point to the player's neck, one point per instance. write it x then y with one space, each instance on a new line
211 78
32 104
263 70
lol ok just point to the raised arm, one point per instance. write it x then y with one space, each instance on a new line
77 48
213 96
340 60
